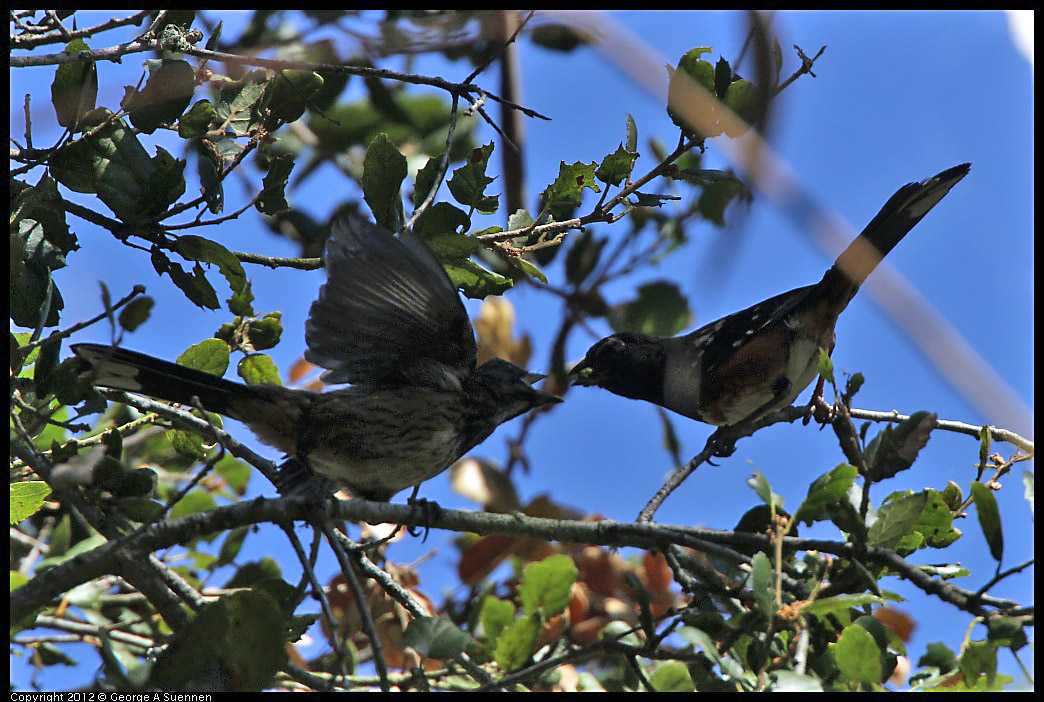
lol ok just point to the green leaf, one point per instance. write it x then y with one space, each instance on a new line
763 585
235 472
140 482
858 656
718 196
425 181
495 616
895 448
210 356
527 267
265 333
760 484
616 167
194 285
517 643
196 248
136 312
196 122
742 97
938 655
259 368
896 519
568 187
273 192
290 93
140 509
546 585
443 219
839 604
520 219
236 644
74 90
978 658
631 143
469 182
435 637
237 100
671 676
827 490
989 518
660 309
384 169
27 498
583 256
194 502
476 281
113 164
165 96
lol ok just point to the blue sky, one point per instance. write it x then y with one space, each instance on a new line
897 97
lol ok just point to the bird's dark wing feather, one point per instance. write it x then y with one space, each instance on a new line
731 332
387 313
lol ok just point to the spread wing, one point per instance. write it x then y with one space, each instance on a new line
388 313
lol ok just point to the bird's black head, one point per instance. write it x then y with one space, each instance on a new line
627 364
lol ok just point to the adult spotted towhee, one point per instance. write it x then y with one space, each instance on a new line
389 321
743 366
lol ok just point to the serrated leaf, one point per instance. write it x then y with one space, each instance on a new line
567 190
27 498
258 368
546 585
616 167
895 448
210 653
113 164
468 183
237 100
517 643
495 616
273 193
196 248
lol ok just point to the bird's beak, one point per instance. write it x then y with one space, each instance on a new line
582 374
541 397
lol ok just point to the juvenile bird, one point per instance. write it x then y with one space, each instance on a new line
389 321
743 366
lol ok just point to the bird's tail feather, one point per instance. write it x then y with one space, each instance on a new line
121 369
898 216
